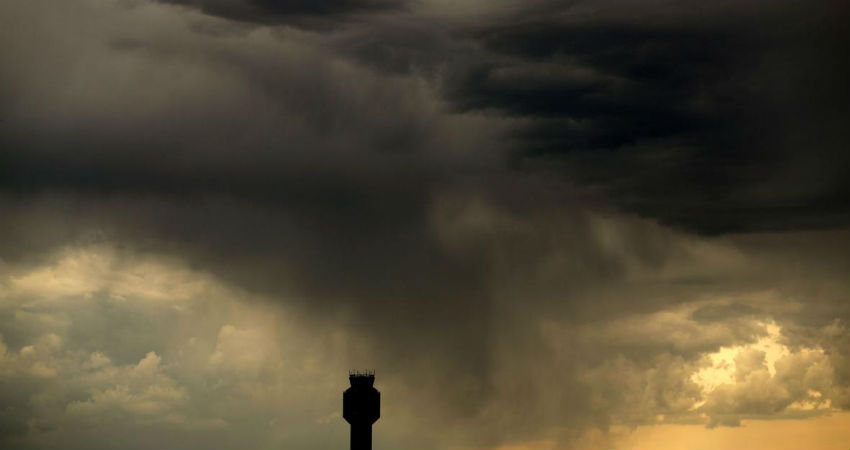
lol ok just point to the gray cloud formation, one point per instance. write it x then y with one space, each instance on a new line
696 117
300 13
701 116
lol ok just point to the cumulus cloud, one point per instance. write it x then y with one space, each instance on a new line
140 390
131 363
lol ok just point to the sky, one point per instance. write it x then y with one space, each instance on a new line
543 224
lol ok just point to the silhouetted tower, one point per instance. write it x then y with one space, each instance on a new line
361 407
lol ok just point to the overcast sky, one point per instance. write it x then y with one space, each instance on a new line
544 224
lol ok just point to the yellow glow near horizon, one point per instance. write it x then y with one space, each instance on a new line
824 432
827 432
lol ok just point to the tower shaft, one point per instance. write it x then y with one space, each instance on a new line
361 436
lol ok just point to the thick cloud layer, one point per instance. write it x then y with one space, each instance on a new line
702 116
212 210
717 118
721 117
301 13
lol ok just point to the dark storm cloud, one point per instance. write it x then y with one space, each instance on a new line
303 13
722 118
701 117
717 118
